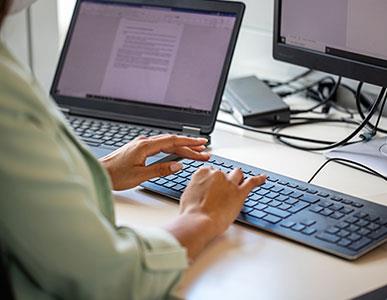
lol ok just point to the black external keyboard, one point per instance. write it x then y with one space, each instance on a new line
318 217
108 133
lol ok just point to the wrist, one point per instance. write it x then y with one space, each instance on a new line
194 231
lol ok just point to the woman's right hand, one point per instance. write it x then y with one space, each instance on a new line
209 205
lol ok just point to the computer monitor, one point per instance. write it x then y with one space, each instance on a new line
342 37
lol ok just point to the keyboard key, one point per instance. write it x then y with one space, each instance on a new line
360 244
332 230
344 242
336 198
346 201
161 181
277 212
284 206
346 210
362 223
372 218
265 200
296 194
291 201
337 215
267 186
286 192
342 225
298 207
325 204
308 222
277 189
272 219
352 220
262 192
302 188
179 179
373 226
364 231
298 227
178 187
272 195
309 198
288 224
255 197
250 203
260 206
326 212
316 209
354 237
309 231
258 214
382 232
246 210
322 194
292 185
336 207
353 228
311 191
281 198
328 237
169 184
274 203
343 233
170 177
360 215
357 205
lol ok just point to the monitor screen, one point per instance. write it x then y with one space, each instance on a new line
146 54
350 31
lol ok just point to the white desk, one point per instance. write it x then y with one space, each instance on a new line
250 264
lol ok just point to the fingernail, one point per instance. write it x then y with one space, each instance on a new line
176 167
204 140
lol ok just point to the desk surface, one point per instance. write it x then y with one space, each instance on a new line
249 264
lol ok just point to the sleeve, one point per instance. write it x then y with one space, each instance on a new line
60 238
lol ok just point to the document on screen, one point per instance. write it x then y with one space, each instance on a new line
141 60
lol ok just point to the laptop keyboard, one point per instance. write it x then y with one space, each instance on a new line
324 219
108 134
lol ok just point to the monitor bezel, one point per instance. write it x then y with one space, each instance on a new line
148 114
315 60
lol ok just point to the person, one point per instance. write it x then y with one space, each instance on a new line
57 224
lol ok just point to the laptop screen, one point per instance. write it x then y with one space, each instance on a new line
146 54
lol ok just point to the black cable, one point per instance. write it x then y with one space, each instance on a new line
298 138
375 130
344 141
360 110
323 102
346 162
305 88
273 84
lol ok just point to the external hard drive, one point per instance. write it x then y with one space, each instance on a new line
254 104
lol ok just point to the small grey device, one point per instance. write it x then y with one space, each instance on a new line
253 103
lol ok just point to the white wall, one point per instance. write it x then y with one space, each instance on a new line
42 55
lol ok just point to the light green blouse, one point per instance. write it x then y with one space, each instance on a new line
56 212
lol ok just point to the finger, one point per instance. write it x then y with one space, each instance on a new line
199 148
171 142
248 185
186 152
159 170
235 176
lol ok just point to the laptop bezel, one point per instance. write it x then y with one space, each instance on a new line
148 114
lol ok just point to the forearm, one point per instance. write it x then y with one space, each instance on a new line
194 232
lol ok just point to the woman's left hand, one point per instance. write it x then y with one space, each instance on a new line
126 165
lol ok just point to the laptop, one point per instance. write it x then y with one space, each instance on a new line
145 67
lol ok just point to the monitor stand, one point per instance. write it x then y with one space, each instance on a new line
372 154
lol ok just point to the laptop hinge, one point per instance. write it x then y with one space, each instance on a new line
191 130
64 109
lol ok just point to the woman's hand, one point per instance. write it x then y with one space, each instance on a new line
209 205
126 165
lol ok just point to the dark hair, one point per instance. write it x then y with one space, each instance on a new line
4 6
